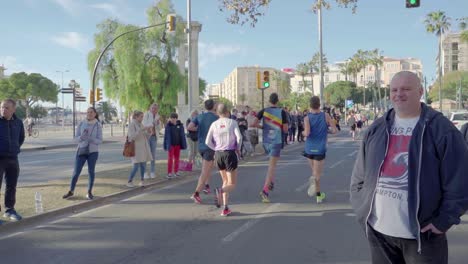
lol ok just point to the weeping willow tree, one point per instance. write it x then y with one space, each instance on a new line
139 69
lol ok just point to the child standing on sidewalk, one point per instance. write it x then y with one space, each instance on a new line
174 141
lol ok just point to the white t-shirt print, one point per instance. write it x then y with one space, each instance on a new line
389 214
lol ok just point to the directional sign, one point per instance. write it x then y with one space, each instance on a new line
66 90
80 99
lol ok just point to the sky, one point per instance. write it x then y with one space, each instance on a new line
46 36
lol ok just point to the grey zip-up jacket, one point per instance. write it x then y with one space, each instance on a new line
437 171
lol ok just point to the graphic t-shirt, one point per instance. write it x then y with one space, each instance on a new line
389 214
273 120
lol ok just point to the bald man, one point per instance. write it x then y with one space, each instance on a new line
408 185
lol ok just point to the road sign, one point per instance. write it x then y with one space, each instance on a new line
80 99
66 90
349 103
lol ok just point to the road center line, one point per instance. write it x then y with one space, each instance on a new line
302 187
249 224
336 164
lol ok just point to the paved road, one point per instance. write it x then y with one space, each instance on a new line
45 165
164 226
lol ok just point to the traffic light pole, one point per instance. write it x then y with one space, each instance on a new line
93 83
263 98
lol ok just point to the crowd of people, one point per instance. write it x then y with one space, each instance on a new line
408 185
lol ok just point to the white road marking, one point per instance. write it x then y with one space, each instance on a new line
336 164
249 224
351 214
352 153
302 187
11 235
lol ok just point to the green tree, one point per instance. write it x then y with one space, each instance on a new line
225 101
28 89
303 69
464 31
244 11
361 60
438 23
38 112
140 69
346 69
314 66
106 110
340 91
451 82
297 101
376 59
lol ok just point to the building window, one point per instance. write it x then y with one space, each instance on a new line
455 46
338 77
454 58
455 67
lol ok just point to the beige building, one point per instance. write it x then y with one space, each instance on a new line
455 53
384 73
240 86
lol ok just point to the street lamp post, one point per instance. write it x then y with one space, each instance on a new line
93 83
319 13
63 106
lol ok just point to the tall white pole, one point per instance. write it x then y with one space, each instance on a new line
321 52
189 57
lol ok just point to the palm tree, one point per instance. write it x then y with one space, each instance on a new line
438 23
464 31
361 59
376 59
302 69
346 69
107 110
314 65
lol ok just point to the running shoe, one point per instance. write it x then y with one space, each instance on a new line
196 199
321 197
271 186
264 197
226 212
311 190
207 190
217 197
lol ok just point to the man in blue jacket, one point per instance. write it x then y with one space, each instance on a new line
11 139
408 185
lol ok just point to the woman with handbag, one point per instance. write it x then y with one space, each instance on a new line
139 134
89 137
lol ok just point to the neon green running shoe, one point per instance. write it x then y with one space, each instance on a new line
264 197
321 197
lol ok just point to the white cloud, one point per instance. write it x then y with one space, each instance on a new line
72 40
71 6
12 65
210 52
109 8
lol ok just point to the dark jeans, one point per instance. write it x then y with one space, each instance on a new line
387 249
292 134
10 168
79 163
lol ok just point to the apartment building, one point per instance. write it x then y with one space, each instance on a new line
240 86
455 53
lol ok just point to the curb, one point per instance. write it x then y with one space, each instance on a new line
60 146
28 222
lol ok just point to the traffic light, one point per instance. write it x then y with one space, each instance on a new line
266 79
98 94
171 22
259 80
91 97
412 3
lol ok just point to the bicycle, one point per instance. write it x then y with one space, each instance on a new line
33 132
